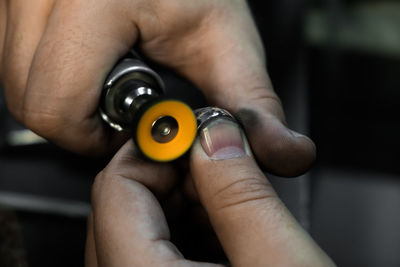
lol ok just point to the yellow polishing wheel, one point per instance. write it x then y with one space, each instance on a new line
165 130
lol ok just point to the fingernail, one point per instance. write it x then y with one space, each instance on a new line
296 134
299 135
223 139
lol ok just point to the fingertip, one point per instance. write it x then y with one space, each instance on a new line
129 163
223 168
278 149
301 161
292 156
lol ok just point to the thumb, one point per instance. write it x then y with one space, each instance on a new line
252 224
233 76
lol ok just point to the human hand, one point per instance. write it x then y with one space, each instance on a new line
56 54
128 227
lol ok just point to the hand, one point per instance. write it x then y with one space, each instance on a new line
128 227
56 54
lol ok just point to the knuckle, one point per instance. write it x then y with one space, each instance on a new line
42 122
13 100
14 81
13 107
14 88
243 191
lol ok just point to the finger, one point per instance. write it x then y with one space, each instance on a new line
81 42
90 248
252 224
128 161
237 80
129 226
26 22
223 55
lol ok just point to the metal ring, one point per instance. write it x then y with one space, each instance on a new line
208 114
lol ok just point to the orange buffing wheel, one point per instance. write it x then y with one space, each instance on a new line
165 129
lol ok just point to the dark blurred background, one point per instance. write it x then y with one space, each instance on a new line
336 66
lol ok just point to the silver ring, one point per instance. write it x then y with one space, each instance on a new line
208 114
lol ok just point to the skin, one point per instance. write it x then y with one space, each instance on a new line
128 226
55 55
